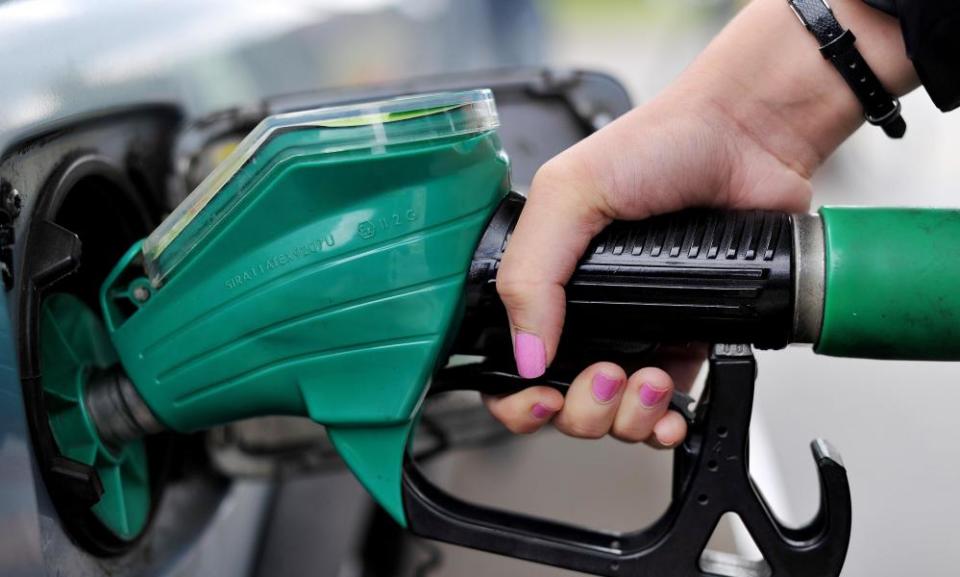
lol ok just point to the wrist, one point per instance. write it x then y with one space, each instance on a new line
765 76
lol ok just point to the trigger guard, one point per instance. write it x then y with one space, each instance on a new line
711 477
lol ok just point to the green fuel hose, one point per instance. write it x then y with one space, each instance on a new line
891 283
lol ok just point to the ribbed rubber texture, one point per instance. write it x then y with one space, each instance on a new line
713 276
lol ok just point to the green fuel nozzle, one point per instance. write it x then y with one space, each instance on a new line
334 261
318 271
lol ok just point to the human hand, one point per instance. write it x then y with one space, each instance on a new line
737 130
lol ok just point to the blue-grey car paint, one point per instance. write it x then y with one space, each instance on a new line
20 552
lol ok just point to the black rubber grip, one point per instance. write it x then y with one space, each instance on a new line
692 276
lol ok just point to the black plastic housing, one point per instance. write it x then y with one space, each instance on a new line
711 477
692 276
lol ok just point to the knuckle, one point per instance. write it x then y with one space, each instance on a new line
518 299
549 174
511 286
572 173
630 434
583 429
626 438
562 174
519 426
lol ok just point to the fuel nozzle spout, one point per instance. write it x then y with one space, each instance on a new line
117 410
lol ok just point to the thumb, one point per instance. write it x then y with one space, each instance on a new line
563 213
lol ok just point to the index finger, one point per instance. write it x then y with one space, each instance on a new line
562 214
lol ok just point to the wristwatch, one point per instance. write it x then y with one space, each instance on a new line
837 45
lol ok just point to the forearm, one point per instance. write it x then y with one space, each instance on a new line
764 74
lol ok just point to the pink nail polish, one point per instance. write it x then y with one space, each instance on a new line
531 355
649 396
541 412
604 387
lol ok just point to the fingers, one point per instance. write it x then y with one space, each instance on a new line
561 215
592 401
644 406
669 431
526 411
600 401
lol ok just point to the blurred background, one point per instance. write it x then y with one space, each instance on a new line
894 423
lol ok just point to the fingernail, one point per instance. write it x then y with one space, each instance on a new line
662 444
649 396
604 387
541 411
531 355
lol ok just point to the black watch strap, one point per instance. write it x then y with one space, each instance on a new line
880 108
